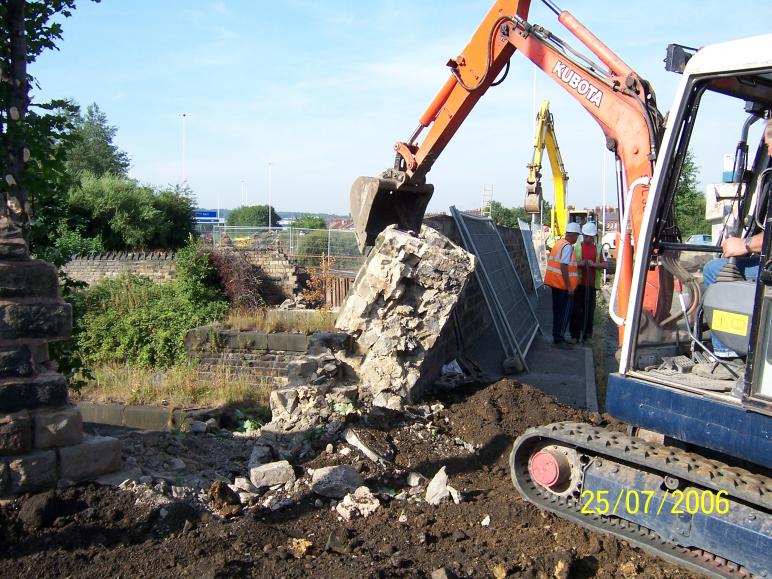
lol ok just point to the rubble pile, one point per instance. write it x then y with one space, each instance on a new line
398 309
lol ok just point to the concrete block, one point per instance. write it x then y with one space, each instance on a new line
33 278
197 339
252 341
57 427
288 342
32 471
15 433
15 362
43 390
147 417
301 370
49 319
273 473
102 413
95 456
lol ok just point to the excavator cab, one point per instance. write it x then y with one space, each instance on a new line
377 202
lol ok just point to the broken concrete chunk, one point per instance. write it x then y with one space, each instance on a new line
260 455
415 479
438 488
336 481
399 307
273 473
198 427
373 444
359 503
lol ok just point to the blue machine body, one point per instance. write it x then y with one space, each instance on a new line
705 422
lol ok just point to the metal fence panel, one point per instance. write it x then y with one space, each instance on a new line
530 252
512 312
304 247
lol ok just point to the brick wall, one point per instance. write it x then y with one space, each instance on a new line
258 356
156 265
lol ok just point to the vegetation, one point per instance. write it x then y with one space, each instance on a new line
252 216
93 150
124 215
310 222
133 320
508 216
689 200
178 386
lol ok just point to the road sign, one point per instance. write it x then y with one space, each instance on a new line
219 220
206 214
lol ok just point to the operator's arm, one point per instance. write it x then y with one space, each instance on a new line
735 246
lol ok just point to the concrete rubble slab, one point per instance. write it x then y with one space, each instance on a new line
398 312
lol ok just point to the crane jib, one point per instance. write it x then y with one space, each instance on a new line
573 79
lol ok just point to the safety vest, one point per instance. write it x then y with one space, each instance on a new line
592 271
553 277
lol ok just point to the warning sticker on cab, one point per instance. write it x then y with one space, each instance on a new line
730 323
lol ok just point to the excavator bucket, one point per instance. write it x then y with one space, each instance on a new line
377 203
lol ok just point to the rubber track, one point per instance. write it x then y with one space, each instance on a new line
664 460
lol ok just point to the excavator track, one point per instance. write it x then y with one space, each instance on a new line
598 444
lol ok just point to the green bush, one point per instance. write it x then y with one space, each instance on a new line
134 320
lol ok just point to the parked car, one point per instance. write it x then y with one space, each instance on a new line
700 239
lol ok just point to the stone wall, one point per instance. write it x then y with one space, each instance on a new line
41 434
157 265
261 357
282 279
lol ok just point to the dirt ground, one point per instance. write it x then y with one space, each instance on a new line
167 526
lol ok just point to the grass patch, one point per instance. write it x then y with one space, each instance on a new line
177 386
266 320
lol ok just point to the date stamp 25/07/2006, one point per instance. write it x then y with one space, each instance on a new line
633 502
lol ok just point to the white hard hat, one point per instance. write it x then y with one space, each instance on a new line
590 229
573 228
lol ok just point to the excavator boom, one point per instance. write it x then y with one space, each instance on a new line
545 139
620 102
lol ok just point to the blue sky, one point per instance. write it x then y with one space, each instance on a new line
322 90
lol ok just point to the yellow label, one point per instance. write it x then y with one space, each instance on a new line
730 322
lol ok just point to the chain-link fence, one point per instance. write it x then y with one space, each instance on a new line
305 247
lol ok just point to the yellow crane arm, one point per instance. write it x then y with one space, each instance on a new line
544 138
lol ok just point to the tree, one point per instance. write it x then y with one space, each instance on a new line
310 222
32 135
507 216
93 149
689 200
127 216
252 216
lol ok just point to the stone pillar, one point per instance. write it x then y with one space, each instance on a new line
41 434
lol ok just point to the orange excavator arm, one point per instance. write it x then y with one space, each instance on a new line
610 91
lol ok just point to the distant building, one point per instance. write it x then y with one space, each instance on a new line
612 217
345 223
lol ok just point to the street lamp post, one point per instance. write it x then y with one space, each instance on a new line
269 195
184 117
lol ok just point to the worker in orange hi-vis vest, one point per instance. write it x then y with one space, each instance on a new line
563 276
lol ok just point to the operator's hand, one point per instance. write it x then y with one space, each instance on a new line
734 247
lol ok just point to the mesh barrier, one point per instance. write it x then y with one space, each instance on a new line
512 312
530 252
